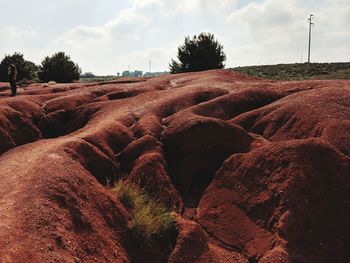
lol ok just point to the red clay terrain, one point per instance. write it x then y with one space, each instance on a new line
254 170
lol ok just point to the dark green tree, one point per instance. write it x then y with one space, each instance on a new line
137 73
126 73
25 69
203 52
60 68
87 75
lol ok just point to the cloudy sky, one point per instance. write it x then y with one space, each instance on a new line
106 36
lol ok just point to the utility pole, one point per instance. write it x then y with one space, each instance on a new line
310 24
150 66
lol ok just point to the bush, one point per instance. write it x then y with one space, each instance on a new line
200 53
60 68
87 75
25 69
25 82
150 218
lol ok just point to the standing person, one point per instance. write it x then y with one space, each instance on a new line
12 73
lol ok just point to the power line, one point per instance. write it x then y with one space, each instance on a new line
310 24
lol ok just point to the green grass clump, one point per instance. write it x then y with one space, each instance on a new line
129 194
149 217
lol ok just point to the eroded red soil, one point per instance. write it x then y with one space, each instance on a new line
257 171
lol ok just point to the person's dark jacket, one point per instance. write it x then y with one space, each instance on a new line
12 73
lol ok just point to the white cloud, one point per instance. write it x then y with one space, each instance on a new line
147 30
174 7
12 32
265 19
15 39
82 35
107 37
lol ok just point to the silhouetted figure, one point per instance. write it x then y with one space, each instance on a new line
12 74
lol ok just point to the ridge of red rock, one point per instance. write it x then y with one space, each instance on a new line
256 171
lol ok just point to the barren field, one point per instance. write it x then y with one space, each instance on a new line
254 171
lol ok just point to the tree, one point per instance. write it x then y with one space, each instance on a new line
202 52
60 68
87 75
25 69
126 73
137 73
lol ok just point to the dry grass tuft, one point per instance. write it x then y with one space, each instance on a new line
150 218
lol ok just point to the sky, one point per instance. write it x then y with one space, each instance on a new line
108 36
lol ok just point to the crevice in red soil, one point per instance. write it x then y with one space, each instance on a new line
55 124
17 125
32 122
125 81
233 104
265 210
195 150
217 241
195 191
79 222
100 166
123 94
155 250
214 239
62 122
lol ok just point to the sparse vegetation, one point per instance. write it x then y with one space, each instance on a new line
149 217
98 78
298 71
25 82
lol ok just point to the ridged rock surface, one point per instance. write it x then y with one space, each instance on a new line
255 170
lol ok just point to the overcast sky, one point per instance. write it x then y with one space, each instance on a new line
106 36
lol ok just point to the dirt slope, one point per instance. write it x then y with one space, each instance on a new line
257 171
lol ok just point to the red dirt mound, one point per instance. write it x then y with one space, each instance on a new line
253 170
293 195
